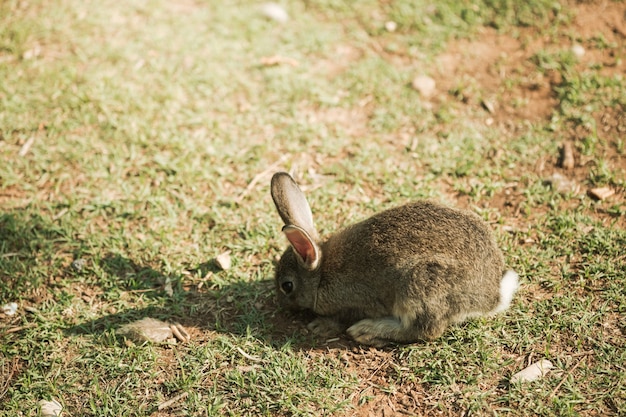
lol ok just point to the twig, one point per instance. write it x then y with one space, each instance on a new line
60 214
26 147
385 363
19 328
247 356
168 403
567 375
7 378
584 353
258 177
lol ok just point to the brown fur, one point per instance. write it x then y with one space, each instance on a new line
402 275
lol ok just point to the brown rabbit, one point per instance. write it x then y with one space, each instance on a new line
402 275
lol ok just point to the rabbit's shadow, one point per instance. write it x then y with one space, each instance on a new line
245 309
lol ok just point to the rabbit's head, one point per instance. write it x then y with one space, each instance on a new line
297 273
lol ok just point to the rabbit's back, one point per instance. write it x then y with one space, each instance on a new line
418 232
423 253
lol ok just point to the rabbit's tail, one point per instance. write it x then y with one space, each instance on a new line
508 286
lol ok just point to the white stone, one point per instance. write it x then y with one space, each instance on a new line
9 309
275 12
50 408
425 85
578 50
532 372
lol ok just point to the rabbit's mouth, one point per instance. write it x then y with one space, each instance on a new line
288 304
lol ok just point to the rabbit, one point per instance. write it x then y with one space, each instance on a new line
401 276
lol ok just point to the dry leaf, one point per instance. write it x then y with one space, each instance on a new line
601 193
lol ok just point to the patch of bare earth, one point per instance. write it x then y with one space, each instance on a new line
477 70
496 71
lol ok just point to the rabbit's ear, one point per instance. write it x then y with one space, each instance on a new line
307 251
292 204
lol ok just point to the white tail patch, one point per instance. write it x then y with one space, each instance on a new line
508 286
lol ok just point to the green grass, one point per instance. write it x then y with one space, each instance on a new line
137 142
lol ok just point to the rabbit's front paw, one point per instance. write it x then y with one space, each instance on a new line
374 332
326 327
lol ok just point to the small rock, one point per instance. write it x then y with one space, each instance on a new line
578 50
275 12
223 261
601 193
34 52
9 309
488 105
78 264
424 85
147 330
561 184
567 156
50 408
391 26
509 229
532 372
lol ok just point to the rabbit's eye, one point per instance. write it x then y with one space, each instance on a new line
287 287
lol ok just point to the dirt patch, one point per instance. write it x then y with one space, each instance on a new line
600 18
476 71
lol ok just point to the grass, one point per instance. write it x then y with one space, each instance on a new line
137 143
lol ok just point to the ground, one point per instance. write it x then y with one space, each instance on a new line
139 142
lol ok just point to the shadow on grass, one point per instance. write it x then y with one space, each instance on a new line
242 308
29 247
33 249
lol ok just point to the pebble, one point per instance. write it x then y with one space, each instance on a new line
147 329
567 156
78 264
9 309
50 408
391 26
561 184
223 261
578 50
274 12
533 372
424 85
